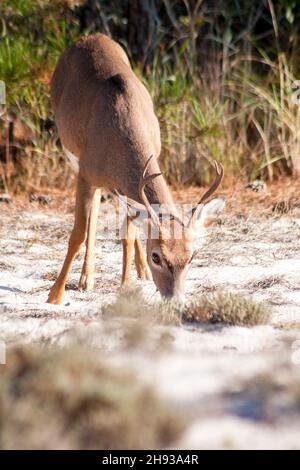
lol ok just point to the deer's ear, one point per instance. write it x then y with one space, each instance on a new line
210 212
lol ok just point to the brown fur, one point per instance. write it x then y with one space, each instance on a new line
105 117
176 252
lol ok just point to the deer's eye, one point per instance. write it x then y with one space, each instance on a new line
155 258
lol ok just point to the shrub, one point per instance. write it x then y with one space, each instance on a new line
71 399
229 308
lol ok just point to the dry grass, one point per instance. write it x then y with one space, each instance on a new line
168 312
288 326
139 315
219 307
130 303
241 200
72 399
228 308
266 282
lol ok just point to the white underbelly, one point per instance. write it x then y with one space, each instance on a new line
73 160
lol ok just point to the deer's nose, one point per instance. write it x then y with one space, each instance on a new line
174 294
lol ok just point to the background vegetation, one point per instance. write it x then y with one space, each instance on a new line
222 74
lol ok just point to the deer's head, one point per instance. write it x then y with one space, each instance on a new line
171 241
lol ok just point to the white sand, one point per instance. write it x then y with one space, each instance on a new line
203 369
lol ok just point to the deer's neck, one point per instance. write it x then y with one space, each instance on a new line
158 192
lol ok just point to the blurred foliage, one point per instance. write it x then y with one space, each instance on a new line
222 75
71 398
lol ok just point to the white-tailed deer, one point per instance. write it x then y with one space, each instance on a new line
108 127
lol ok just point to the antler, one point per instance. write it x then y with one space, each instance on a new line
144 181
219 176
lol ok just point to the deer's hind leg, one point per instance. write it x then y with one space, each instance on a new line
84 197
88 269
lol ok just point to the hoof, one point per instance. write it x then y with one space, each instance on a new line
54 299
86 282
56 294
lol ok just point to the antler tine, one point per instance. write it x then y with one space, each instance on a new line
219 176
146 166
144 181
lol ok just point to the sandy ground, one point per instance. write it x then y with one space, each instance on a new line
240 386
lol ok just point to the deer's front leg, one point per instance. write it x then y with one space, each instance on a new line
84 198
87 277
142 268
128 232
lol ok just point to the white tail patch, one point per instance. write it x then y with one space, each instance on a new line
73 160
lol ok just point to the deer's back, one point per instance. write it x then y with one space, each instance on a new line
101 107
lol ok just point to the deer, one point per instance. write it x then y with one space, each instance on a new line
109 131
